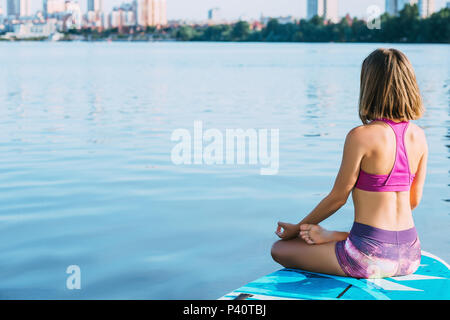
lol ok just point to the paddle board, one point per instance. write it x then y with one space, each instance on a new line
430 282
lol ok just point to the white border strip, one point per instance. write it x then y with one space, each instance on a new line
430 255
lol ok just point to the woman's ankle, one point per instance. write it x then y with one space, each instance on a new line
339 236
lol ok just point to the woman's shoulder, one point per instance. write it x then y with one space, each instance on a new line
361 133
417 134
359 137
375 133
415 129
367 130
371 135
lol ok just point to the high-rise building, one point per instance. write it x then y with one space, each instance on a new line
94 14
13 8
19 8
25 8
331 10
315 8
121 17
163 12
95 5
44 8
393 7
152 13
134 6
54 6
213 14
426 8
327 9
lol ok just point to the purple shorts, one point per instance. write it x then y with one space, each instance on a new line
370 252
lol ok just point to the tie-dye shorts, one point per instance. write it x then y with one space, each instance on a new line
370 252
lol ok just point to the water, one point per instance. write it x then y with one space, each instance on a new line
87 179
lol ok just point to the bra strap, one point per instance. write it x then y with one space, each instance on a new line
399 143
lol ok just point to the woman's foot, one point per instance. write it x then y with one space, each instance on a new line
315 234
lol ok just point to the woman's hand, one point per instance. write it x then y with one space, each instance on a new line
290 231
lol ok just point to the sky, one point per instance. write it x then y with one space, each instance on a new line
233 9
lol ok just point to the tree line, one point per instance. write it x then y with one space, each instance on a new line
407 26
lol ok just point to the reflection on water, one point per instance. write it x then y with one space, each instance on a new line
87 177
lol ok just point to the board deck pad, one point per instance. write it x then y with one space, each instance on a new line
430 282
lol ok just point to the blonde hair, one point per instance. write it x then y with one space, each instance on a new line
389 88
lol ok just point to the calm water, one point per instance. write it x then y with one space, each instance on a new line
87 179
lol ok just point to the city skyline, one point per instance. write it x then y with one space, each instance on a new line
234 9
329 9
426 7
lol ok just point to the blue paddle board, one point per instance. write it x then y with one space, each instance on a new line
430 282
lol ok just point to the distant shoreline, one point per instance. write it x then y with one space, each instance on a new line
407 27
215 41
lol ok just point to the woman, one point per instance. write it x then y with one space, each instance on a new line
384 167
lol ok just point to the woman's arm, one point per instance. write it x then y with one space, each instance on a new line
415 194
354 150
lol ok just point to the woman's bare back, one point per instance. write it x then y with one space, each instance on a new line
387 210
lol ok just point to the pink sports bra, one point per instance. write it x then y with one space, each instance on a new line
400 178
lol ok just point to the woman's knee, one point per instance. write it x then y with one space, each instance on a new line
278 251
